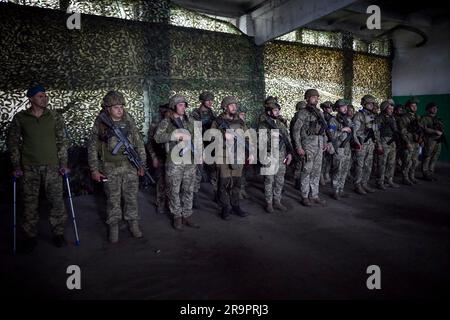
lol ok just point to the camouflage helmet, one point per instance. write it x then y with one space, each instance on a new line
227 101
206 96
271 105
385 104
113 98
367 99
326 104
176 99
270 99
339 103
430 105
311 92
391 101
300 105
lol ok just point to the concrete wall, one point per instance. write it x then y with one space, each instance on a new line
424 70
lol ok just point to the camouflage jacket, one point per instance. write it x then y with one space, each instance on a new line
307 126
338 136
365 122
430 125
102 141
268 124
33 141
410 128
165 130
206 117
388 127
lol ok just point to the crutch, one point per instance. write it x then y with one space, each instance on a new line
66 177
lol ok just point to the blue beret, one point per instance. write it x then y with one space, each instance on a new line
33 90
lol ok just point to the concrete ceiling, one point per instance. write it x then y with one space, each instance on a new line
268 19
224 8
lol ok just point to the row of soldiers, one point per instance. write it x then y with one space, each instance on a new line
316 142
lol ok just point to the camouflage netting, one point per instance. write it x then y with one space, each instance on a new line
148 59
371 75
291 69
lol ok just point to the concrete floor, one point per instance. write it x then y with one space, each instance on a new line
306 253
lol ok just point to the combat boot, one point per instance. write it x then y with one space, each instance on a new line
343 194
177 223
407 181
113 233
359 189
269 207
392 184
225 214
279 206
134 228
413 180
427 177
306 202
190 223
237 210
319 201
367 188
381 186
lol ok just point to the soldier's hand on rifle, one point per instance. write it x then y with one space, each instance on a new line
64 170
358 146
141 172
439 133
97 176
155 163
347 129
409 146
17 173
300 152
288 159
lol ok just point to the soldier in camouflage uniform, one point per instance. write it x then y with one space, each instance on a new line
310 142
367 134
399 111
157 155
273 184
343 136
433 136
327 160
38 148
206 115
412 135
388 133
120 177
298 162
175 131
230 173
